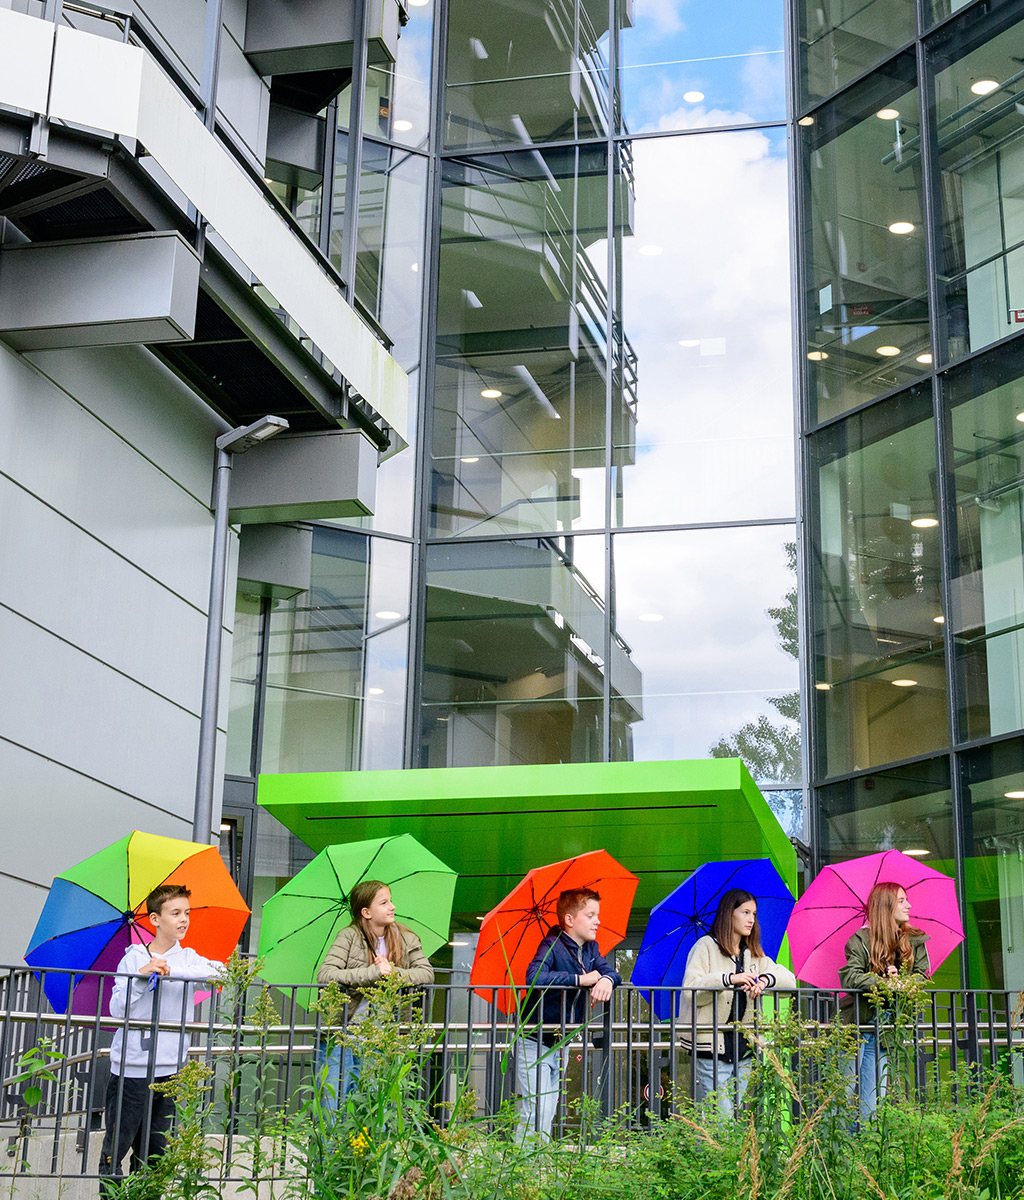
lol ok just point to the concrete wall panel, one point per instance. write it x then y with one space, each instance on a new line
61 703
64 455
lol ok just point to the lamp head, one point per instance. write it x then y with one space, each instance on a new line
237 441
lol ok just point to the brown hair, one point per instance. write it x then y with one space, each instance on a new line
159 896
888 941
362 896
722 929
572 901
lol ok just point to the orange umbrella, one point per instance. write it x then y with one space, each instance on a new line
512 931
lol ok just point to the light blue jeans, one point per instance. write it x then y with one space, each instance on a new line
336 1074
871 1071
732 1081
539 1075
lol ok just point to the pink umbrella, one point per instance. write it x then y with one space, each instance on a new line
834 907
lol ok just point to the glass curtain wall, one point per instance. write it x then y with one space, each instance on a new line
913 413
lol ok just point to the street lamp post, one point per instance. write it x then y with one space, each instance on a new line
235 441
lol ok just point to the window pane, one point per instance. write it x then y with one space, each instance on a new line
907 808
994 864
841 39
315 663
536 73
988 588
513 660
398 93
866 306
245 648
705 638
981 156
880 674
693 65
519 416
709 435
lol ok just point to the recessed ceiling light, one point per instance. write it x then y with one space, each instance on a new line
386 614
888 351
693 97
887 114
1014 795
904 683
1020 416
917 853
651 617
939 620
419 3
469 459
491 394
403 126
817 355
901 227
823 687
924 359
458 943
414 267
982 87
806 121
650 251
375 691
924 522
689 342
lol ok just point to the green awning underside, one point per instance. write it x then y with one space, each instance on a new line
661 820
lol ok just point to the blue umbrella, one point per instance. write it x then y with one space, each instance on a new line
687 913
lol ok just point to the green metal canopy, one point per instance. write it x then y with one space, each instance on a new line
661 820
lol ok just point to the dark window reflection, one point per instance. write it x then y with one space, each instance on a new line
528 73
987 621
841 39
906 808
880 679
514 653
522 345
994 864
866 303
979 99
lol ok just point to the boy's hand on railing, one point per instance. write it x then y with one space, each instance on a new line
155 966
602 990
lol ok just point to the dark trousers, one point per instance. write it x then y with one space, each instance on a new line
137 1098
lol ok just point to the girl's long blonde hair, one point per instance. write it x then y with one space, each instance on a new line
362 896
888 941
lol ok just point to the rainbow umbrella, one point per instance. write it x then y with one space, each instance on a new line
97 909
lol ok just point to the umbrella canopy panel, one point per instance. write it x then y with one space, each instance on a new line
661 820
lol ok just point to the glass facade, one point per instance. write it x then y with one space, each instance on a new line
575 228
912 407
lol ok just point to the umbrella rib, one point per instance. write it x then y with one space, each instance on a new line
376 854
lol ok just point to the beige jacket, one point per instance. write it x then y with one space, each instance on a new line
346 963
708 968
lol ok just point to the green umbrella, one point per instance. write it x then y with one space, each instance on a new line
300 922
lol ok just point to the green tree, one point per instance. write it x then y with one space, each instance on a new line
772 751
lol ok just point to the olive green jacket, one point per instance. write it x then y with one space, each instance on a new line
346 965
857 974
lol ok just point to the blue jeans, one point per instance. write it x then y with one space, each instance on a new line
732 1080
539 1075
871 1071
336 1074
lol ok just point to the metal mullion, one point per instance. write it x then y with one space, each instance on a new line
945 490
329 165
613 338
427 374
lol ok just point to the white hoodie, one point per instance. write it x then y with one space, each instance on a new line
176 991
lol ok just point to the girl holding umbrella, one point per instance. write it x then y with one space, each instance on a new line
726 971
886 946
365 952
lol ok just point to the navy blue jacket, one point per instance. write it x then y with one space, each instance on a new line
558 963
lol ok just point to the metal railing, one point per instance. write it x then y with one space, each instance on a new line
632 1065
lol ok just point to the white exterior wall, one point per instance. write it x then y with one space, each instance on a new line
105 543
